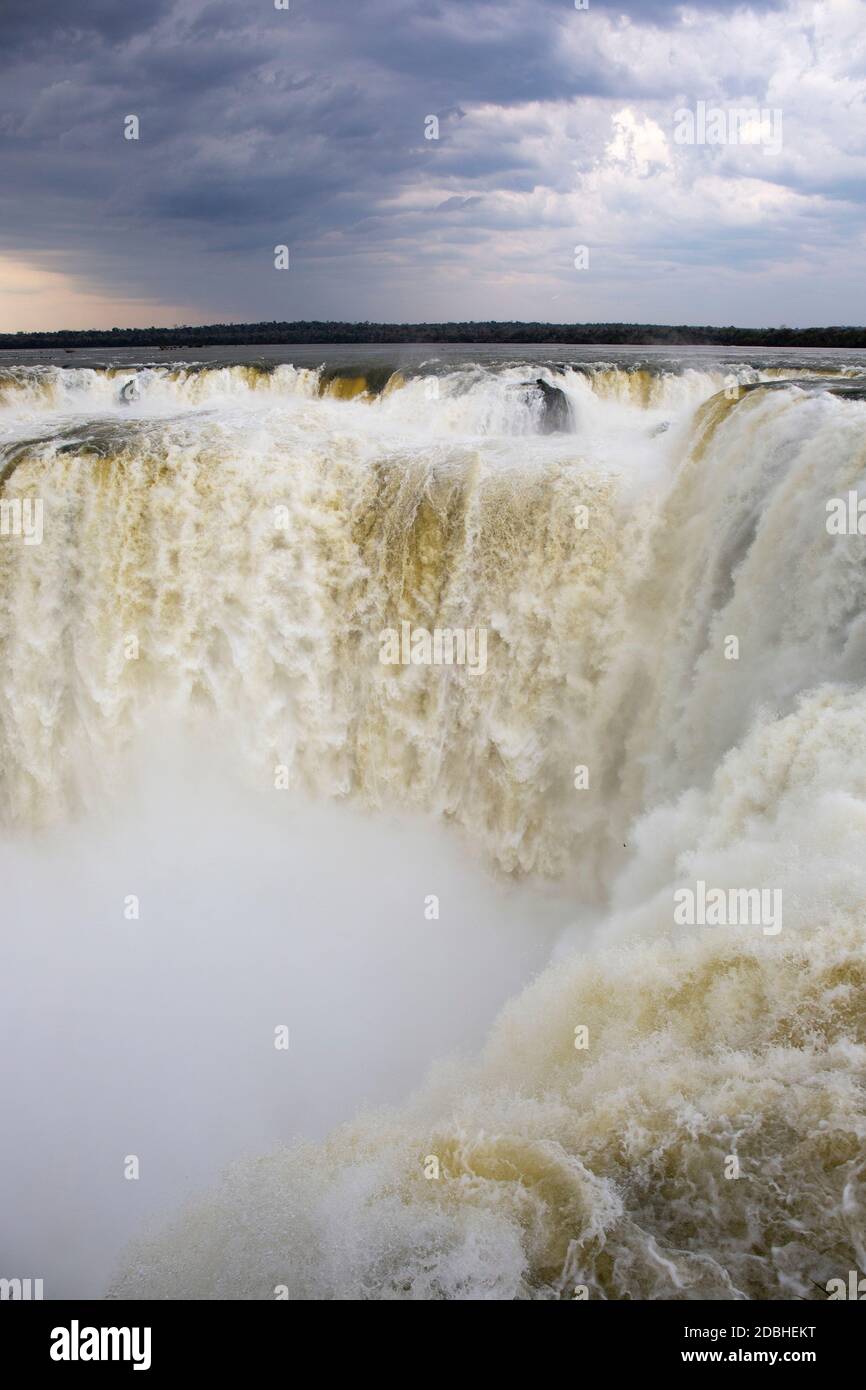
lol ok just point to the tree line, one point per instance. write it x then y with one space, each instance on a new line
331 331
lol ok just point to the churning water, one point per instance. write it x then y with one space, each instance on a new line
224 815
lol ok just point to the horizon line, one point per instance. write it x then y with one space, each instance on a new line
443 323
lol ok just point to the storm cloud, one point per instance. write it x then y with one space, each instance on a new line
310 127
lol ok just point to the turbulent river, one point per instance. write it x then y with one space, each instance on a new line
399 980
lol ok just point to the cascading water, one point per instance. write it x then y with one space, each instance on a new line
664 608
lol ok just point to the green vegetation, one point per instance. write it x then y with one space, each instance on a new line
316 331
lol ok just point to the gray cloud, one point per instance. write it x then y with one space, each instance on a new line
307 126
456 204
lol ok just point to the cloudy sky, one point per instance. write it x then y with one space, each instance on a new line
306 127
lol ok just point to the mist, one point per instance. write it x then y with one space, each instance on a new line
155 1037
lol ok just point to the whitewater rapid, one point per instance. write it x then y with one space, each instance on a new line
222 549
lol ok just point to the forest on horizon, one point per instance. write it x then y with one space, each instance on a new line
329 331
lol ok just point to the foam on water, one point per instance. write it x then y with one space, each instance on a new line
602 1166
